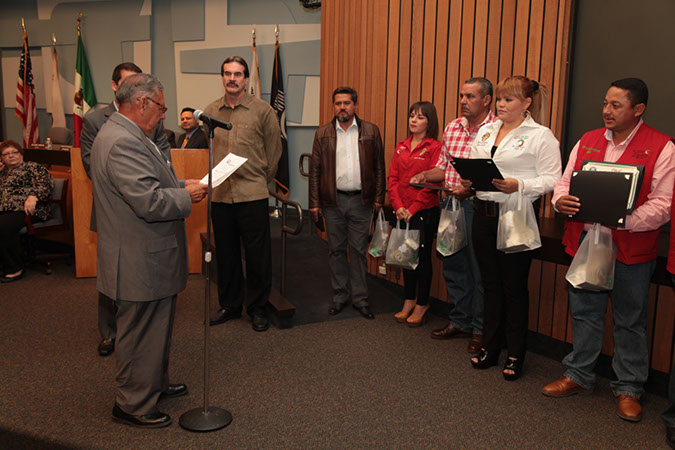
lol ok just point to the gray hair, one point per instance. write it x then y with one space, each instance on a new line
138 85
485 85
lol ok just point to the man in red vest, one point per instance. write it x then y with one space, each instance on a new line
624 139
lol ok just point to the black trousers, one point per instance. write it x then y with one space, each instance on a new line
417 283
11 223
246 223
505 279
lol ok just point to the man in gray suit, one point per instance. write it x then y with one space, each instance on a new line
91 124
142 246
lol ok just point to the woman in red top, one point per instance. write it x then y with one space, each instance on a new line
418 207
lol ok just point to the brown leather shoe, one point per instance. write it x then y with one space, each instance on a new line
474 344
629 408
563 387
449 332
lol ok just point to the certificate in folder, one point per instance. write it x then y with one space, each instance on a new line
480 171
603 196
636 170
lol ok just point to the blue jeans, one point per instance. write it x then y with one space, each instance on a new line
629 309
462 278
669 414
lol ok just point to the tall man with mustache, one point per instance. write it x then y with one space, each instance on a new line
240 204
347 181
624 139
461 271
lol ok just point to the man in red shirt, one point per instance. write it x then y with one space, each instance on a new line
624 139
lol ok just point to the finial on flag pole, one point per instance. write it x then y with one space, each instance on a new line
253 34
276 32
79 19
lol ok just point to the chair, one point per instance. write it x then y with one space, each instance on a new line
58 221
61 136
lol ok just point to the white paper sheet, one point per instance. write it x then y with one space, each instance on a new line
224 169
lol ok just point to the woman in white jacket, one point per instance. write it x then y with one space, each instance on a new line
528 156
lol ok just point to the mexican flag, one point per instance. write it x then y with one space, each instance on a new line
85 97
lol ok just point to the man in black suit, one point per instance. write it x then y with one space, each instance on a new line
194 136
91 124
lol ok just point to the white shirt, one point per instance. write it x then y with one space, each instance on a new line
347 164
529 153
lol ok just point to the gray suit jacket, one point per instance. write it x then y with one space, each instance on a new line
92 123
140 211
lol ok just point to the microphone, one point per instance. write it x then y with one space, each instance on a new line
210 120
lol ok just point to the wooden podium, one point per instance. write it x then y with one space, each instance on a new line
189 163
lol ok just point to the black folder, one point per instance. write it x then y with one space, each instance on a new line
603 196
434 187
480 172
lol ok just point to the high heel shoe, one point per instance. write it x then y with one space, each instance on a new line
485 359
418 321
515 365
403 315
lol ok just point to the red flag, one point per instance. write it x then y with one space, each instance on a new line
25 98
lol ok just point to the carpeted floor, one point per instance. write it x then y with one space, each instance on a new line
307 259
338 384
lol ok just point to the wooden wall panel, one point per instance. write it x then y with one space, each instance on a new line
416 65
507 37
560 305
429 44
547 290
389 129
440 69
493 40
534 288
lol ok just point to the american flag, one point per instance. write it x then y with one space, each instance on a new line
25 98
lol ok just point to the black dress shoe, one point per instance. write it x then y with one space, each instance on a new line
365 311
225 314
7 279
259 323
175 390
106 347
336 309
154 420
670 436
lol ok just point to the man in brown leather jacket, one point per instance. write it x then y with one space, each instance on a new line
346 180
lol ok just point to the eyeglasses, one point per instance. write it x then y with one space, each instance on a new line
161 107
10 153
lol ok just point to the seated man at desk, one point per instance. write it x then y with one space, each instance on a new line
194 136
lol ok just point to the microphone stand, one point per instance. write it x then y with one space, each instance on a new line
206 418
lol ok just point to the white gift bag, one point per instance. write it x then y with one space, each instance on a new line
451 236
403 247
593 266
517 230
378 245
